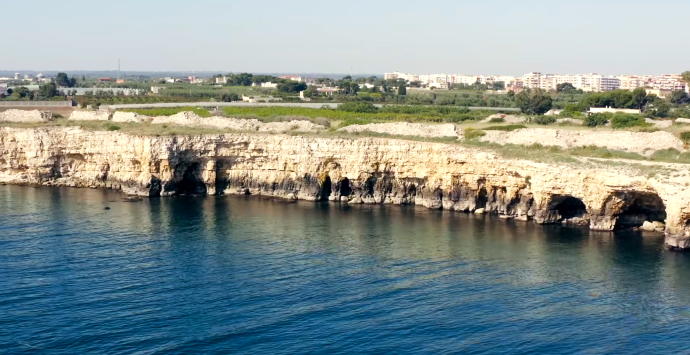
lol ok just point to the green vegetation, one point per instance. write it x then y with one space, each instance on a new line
597 119
601 152
685 137
624 120
534 102
497 120
358 107
510 127
170 111
543 120
671 156
471 133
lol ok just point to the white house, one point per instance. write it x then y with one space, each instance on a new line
3 89
269 85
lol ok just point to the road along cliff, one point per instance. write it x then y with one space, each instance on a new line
362 170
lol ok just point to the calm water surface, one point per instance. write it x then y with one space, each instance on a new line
212 275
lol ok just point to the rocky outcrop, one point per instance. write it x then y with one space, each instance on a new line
367 170
637 142
25 116
89 116
406 129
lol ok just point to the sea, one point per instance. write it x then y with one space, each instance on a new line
86 271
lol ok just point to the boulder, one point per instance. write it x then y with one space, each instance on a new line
648 226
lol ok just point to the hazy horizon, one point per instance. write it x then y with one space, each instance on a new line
608 37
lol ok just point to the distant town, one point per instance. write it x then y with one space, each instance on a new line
660 85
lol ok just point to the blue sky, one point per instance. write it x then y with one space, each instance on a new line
375 36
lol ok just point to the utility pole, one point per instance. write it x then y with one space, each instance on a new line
118 68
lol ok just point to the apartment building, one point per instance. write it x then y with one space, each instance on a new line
585 82
400 75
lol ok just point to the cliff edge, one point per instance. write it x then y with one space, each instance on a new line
363 170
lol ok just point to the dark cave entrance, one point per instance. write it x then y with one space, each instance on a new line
482 198
191 183
569 207
640 207
326 189
344 188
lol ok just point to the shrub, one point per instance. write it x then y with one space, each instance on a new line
471 133
624 120
597 119
544 120
685 136
358 107
323 121
112 127
671 155
510 127
497 120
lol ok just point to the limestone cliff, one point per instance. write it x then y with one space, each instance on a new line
365 170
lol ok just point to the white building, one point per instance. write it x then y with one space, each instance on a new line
400 75
291 77
3 89
16 76
269 85
585 82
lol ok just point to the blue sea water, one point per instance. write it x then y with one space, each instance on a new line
247 275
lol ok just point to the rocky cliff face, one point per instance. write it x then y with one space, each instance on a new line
368 170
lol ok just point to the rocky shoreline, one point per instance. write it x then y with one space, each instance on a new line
364 170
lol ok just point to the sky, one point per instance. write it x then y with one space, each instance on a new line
498 37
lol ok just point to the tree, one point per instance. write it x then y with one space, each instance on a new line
679 97
415 84
402 90
62 80
639 98
291 86
567 87
48 90
534 101
499 85
242 79
686 78
311 91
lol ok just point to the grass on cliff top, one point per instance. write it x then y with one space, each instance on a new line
169 111
345 118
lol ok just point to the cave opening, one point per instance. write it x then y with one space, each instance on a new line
191 183
326 189
641 207
411 191
370 185
482 198
569 207
344 188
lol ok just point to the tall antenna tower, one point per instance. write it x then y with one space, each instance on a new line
118 68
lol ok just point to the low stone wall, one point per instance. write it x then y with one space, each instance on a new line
25 116
637 142
406 129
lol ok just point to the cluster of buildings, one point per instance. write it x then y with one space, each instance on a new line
27 78
593 82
